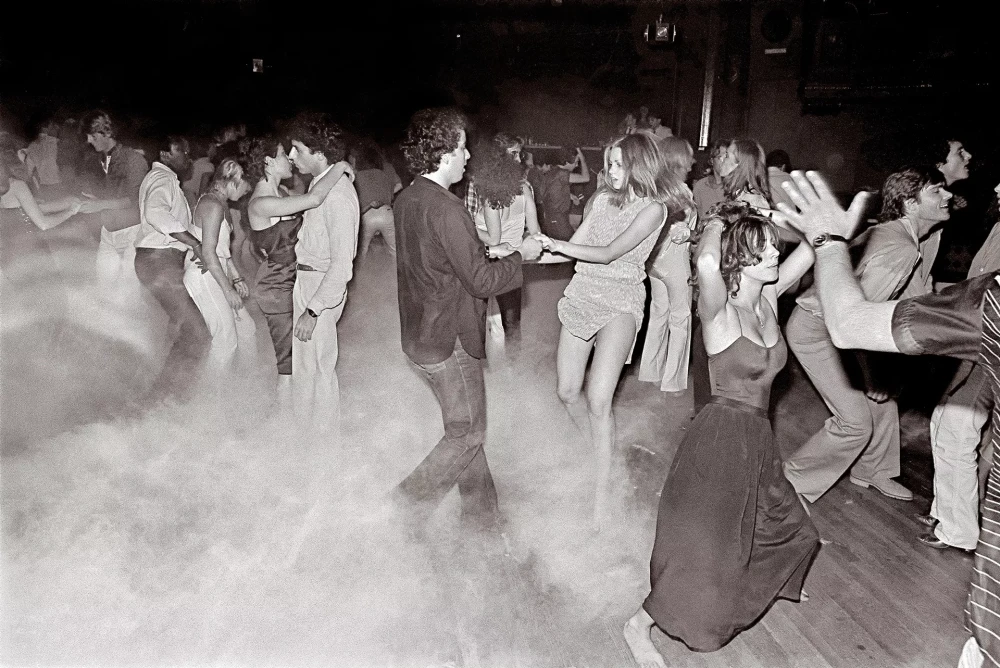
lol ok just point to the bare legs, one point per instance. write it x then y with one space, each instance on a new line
611 346
637 636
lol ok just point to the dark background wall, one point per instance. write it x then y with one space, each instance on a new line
847 86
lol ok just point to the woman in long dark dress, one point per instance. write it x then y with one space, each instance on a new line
731 534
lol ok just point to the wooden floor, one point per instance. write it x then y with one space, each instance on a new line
235 542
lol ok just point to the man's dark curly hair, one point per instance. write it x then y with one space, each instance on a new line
499 177
432 134
254 151
320 135
904 185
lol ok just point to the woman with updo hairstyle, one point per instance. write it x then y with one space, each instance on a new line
602 308
666 351
217 288
275 217
744 174
731 533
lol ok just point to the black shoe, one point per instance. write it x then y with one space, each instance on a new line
930 540
926 520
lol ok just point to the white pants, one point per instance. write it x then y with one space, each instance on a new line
379 221
971 656
315 389
116 277
666 352
228 333
956 429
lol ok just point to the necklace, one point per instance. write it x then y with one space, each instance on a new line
760 318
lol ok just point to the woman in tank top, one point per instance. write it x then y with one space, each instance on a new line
731 534
275 217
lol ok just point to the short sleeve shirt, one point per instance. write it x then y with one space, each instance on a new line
950 323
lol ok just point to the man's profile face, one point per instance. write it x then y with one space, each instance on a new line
302 157
956 165
177 159
457 159
101 142
932 203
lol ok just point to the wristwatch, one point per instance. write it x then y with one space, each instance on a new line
312 313
826 238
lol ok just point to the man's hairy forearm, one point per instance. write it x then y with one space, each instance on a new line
852 320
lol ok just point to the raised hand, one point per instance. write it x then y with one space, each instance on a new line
819 211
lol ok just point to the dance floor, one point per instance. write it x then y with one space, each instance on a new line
219 533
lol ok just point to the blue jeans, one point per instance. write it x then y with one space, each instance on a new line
459 457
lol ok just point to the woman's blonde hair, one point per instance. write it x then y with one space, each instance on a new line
228 172
646 173
750 173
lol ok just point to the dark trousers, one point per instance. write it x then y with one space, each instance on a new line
510 309
161 271
459 457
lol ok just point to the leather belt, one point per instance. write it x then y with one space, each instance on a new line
304 267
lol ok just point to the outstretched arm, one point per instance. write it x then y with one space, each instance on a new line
267 207
644 224
853 321
43 221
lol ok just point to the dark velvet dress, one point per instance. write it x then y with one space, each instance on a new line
731 535
274 282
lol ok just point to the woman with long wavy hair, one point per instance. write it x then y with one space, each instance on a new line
667 348
731 534
602 308
744 174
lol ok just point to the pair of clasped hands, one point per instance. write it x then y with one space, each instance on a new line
533 244
530 249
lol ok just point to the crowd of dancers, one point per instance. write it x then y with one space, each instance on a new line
733 532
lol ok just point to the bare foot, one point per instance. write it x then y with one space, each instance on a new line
637 638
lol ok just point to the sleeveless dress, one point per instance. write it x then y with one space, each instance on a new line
731 535
274 282
598 293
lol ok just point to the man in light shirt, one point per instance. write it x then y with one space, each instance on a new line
163 241
325 252
863 432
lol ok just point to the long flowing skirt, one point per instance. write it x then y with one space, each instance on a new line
731 536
